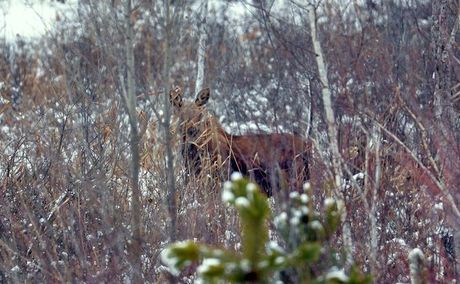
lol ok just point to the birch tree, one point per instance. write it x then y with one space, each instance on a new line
201 48
331 127
170 177
444 30
129 102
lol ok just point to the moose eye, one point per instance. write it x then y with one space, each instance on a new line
192 131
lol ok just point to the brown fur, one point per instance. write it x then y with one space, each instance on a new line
272 160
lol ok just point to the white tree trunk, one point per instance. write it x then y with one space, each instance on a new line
129 101
374 236
201 49
332 131
171 195
326 96
416 266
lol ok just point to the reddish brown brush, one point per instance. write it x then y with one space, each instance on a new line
274 160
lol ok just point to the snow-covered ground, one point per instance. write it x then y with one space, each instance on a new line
31 19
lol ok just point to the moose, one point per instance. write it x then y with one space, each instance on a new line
274 160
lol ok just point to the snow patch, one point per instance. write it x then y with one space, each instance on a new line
31 19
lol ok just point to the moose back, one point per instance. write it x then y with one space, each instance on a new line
274 161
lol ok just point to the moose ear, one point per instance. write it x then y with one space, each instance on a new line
175 97
203 97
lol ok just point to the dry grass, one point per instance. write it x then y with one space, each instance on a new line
64 193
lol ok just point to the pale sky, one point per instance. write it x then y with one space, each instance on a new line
28 18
